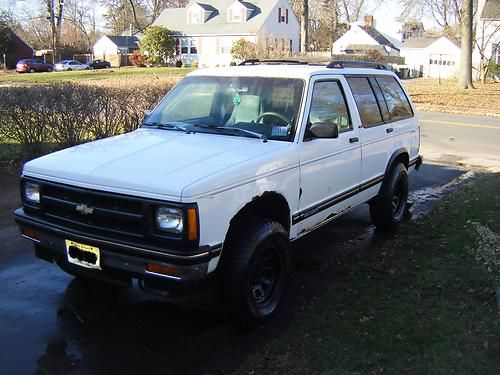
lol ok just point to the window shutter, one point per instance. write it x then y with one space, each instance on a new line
190 18
286 16
217 46
200 46
243 18
279 15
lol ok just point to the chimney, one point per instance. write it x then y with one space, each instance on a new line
368 21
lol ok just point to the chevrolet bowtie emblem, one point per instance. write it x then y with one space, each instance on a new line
84 209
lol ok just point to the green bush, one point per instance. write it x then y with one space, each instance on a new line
178 64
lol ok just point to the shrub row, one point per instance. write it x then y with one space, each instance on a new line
43 118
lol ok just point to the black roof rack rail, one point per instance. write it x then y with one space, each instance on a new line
340 64
270 61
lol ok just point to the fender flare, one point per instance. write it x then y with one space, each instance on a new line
398 153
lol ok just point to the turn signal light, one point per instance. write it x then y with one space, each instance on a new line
163 270
30 234
192 224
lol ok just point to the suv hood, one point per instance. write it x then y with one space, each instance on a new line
157 163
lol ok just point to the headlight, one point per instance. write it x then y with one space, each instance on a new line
169 220
32 192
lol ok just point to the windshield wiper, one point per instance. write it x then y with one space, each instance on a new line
166 126
233 129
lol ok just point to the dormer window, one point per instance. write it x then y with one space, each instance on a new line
239 12
199 13
195 17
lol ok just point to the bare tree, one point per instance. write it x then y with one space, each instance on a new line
486 32
445 13
465 74
304 26
55 9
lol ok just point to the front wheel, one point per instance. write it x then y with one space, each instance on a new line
69 70
387 210
254 271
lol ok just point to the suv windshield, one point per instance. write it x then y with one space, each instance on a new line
235 106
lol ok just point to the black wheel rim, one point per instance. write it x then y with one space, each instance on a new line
265 277
398 199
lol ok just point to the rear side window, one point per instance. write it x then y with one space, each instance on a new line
365 101
397 102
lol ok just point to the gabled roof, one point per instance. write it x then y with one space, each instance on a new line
425 42
491 10
418 42
124 41
206 7
378 36
175 19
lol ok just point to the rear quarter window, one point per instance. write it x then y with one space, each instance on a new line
366 102
397 102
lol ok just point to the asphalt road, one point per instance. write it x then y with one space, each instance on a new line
461 140
51 323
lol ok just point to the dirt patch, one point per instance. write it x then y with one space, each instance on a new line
428 95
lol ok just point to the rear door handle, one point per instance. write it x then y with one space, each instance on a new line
353 140
389 130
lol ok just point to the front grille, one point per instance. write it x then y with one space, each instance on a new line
84 209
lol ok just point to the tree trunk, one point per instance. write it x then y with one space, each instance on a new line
465 75
304 23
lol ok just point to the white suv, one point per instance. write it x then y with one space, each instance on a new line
229 168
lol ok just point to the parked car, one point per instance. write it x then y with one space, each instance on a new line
70 65
32 66
100 64
228 169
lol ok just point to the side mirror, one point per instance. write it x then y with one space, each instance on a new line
147 112
324 130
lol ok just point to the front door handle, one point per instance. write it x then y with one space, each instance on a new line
389 130
353 140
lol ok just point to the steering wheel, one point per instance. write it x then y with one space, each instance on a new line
289 125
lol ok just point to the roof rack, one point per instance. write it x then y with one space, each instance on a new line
271 62
340 64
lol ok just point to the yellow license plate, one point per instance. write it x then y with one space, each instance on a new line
83 255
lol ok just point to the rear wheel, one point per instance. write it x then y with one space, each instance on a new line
254 271
49 70
69 69
388 209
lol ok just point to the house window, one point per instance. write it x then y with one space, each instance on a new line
226 45
282 15
189 47
195 17
184 46
291 45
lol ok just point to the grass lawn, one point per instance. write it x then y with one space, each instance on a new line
122 74
428 95
419 304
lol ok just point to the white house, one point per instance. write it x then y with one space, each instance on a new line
432 57
364 37
112 47
207 30
487 43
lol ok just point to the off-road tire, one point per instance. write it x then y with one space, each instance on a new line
254 272
388 209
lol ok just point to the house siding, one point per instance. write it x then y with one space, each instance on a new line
444 54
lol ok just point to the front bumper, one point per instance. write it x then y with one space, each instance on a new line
121 262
